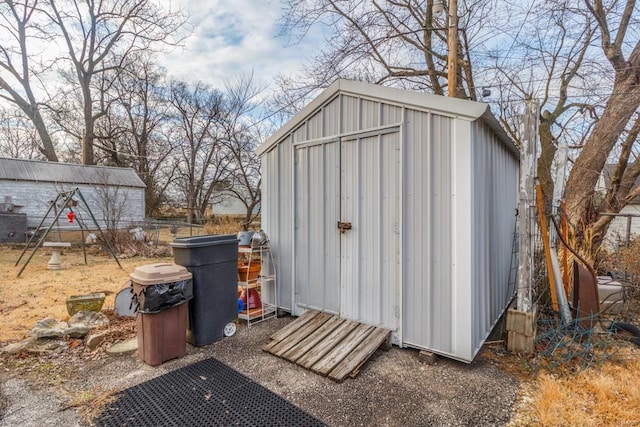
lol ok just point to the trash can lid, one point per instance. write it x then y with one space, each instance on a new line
162 272
206 240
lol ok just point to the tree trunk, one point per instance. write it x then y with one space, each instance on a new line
547 154
586 171
47 148
87 141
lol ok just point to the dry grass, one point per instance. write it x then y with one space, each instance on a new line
609 396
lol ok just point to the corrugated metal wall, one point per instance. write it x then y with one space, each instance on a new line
317 211
495 185
461 188
427 250
277 216
370 200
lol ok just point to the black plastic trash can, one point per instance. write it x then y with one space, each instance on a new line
213 261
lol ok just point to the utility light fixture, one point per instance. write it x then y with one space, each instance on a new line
438 7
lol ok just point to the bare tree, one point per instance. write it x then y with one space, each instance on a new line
399 43
18 137
242 135
564 61
102 37
17 68
134 134
619 115
203 163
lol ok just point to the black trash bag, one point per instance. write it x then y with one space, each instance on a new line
155 298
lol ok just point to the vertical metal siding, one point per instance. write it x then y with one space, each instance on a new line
332 117
369 251
428 228
277 218
369 114
350 113
390 114
494 198
461 282
315 126
459 216
317 259
417 231
440 239
300 134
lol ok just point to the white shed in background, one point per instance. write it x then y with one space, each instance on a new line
426 189
30 186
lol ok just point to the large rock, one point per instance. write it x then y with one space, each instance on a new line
38 346
92 341
18 347
125 347
77 327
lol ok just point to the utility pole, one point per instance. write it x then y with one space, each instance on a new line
452 41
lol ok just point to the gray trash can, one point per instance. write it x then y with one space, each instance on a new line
213 261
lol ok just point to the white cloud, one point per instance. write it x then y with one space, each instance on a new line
235 37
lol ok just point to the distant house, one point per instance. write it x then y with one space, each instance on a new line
29 187
228 203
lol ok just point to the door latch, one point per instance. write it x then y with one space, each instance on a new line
344 226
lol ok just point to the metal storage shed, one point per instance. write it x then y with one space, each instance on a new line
429 187
32 185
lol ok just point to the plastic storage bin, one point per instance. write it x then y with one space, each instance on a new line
213 261
162 291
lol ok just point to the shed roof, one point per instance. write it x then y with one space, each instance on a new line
463 108
34 170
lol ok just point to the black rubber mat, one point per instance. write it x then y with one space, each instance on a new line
207 393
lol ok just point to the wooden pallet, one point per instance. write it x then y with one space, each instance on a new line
327 344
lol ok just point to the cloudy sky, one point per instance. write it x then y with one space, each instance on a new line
236 37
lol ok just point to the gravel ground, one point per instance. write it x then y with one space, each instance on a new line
393 389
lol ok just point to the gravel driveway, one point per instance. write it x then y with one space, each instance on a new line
393 389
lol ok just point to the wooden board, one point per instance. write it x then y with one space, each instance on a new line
327 344
287 330
308 328
301 348
357 358
340 352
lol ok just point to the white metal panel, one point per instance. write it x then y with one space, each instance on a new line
370 201
300 134
350 114
494 198
315 126
277 218
461 280
428 232
390 114
369 114
332 117
317 255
